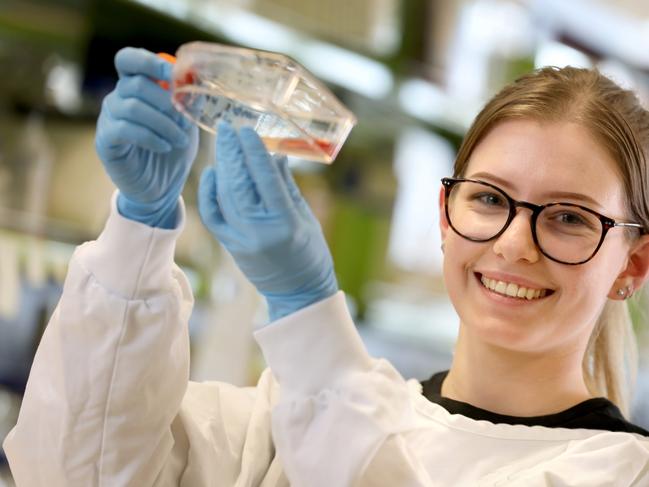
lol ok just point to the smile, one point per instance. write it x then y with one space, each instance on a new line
513 290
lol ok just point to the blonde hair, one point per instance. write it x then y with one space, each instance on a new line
611 360
616 119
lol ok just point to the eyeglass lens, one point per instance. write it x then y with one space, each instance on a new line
566 233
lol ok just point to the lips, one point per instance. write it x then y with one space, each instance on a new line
512 289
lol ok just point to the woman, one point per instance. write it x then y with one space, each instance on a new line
544 229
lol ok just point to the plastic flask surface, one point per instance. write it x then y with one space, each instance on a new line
292 111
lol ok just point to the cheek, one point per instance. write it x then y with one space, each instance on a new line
458 251
582 295
600 273
585 289
460 254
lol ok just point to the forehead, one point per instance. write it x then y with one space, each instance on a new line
542 158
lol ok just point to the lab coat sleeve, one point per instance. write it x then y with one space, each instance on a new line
342 416
112 367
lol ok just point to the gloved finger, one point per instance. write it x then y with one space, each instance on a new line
208 204
145 89
112 135
138 112
292 187
130 61
265 174
294 192
234 183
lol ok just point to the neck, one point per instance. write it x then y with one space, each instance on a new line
514 383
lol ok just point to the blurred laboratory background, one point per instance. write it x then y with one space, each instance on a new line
415 72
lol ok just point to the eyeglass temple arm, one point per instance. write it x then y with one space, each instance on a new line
631 225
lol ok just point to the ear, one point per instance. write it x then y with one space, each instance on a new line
636 272
443 222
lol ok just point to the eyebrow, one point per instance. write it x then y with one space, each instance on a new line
555 194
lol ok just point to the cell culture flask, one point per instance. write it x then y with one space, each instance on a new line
292 111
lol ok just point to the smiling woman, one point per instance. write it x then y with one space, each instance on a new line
573 136
545 237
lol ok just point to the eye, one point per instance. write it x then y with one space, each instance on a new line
490 199
569 218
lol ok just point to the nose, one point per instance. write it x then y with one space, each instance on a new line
516 243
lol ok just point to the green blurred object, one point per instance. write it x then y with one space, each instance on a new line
517 67
638 307
362 185
358 241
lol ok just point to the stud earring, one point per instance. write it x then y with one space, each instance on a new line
625 292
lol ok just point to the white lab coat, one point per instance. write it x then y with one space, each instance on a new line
109 404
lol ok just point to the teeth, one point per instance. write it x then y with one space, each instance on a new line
511 289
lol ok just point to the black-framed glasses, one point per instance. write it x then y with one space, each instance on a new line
564 232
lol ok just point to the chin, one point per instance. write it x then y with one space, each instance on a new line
505 334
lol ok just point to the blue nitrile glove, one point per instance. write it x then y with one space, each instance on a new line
251 204
146 145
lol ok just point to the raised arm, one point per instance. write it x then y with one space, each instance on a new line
341 412
112 367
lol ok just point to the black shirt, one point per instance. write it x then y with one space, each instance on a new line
598 413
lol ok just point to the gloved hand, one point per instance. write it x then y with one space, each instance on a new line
145 144
251 204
